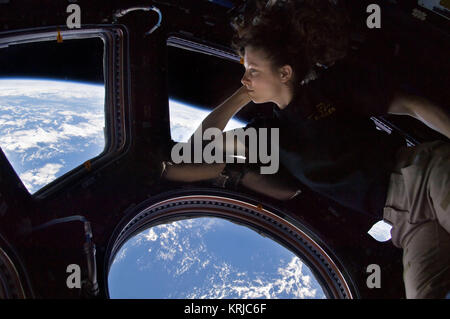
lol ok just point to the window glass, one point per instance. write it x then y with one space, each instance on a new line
197 84
52 114
185 118
208 258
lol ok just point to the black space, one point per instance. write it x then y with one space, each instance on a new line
199 78
75 60
206 81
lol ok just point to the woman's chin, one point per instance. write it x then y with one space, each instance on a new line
255 99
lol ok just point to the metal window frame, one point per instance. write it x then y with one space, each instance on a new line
264 219
117 113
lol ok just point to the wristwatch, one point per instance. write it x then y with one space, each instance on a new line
231 176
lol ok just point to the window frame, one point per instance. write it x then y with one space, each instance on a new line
191 43
265 219
117 129
186 41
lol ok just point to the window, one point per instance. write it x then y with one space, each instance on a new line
208 258
207 244
200 77
185 118
60 113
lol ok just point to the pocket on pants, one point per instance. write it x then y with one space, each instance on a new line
417 199
399 219
396 196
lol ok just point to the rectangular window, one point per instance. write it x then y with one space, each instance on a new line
52 107
200 78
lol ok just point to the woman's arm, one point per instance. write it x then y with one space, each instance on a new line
191 172
220 116
272 185
422 109
277 186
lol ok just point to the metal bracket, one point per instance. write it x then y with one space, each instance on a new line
90 285
120 13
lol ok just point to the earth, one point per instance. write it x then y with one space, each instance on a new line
48 127
208 258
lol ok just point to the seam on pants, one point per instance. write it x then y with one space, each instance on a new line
446 201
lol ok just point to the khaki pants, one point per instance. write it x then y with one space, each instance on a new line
418 208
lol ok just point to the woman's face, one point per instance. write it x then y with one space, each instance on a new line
263 83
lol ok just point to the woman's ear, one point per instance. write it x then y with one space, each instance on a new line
285 73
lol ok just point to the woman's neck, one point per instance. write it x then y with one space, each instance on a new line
285 98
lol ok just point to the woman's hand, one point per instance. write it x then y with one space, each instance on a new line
244 92
220 116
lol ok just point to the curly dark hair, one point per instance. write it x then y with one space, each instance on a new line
300 33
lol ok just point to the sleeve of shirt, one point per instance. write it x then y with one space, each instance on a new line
364 87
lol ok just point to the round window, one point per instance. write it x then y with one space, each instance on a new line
219 246
208 258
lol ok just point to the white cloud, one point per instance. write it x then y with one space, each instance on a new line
40 176
20 141
47 89
151 235
227 281
120 255
80 130
40 119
